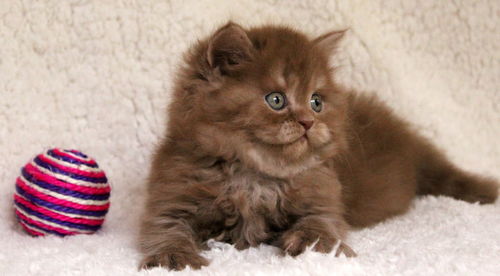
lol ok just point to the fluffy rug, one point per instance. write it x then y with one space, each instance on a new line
95 75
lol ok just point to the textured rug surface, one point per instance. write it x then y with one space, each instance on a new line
96 75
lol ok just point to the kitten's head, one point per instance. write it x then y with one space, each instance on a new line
264 96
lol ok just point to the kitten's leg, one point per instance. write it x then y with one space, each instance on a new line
171 232
437 176
180 213
169 242
315 197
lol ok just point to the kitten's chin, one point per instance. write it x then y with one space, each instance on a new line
282 161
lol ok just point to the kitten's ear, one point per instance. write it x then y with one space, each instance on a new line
329 41
228 48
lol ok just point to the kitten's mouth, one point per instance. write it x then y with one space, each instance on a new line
301 139
272 141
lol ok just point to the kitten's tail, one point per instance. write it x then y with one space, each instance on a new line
437 176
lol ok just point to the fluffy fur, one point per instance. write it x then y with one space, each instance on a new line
233 169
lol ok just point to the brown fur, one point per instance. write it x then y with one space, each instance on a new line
233 169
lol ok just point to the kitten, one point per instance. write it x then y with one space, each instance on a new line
264 147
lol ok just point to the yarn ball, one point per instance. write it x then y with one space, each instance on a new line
61 192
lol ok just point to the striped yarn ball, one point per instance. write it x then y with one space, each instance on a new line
61 192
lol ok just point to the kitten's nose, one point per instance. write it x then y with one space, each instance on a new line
307 124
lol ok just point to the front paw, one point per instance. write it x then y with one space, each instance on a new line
242 244
295 242
174 261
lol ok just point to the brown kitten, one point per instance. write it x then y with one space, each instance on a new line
263 147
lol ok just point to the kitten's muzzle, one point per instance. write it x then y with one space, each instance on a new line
307 124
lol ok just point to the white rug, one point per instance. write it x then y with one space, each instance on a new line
95 75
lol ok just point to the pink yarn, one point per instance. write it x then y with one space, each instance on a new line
61 192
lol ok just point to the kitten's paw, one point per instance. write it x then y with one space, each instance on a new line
242 244
174 261
295 242
346 250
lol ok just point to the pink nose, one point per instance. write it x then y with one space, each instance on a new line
307 124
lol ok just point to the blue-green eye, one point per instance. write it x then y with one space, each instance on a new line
316 102
276 100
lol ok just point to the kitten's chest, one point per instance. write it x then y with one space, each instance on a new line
253 206
252 194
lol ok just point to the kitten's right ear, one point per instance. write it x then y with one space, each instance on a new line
228 48
329 41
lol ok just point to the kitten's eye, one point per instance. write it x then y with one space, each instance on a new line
276 100
316 103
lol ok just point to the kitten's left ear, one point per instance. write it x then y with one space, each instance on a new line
228 48
329 41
